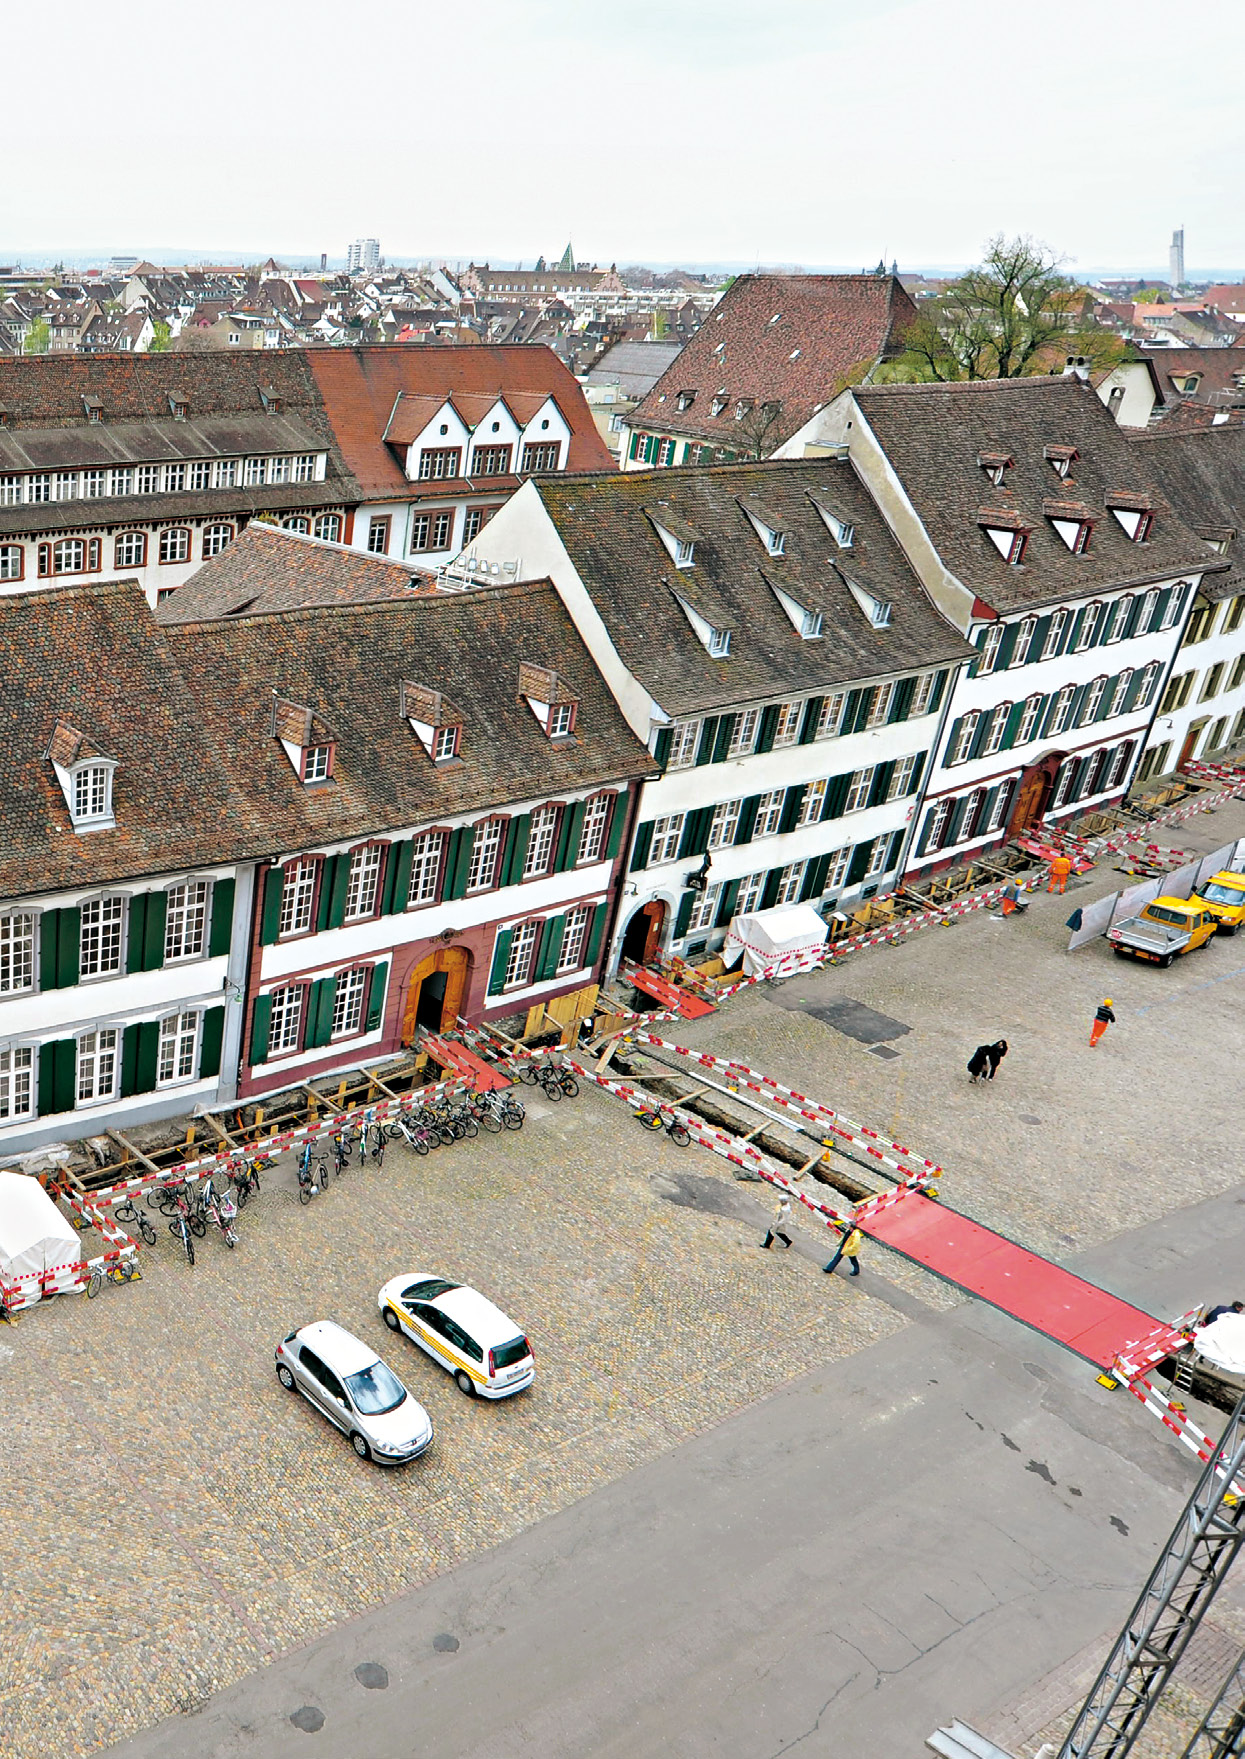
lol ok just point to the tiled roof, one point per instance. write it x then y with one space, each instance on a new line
933 436
1202 475
108 514
268 569
606 524
634 367
93 659
350 665
794 339
360 387
1217 369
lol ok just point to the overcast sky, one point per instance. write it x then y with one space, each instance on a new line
795 131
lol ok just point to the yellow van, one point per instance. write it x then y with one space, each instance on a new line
1223 894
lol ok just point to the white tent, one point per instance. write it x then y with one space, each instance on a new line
782 940
1223 1343
34 1235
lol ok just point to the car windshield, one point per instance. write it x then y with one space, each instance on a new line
428 1290
375 1390
508 1354
1157 913
1224 894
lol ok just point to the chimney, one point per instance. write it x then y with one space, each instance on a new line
1077 368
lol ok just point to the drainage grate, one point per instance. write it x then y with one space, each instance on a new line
882 1050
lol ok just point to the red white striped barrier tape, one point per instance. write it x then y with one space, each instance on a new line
1181 1425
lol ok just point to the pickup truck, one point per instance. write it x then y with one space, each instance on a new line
1166 928
1224 898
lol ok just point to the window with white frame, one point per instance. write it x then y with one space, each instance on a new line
147 479
667 835
836 873
998 812
1089 622
1150 679
122 481
1175 605
425 883
11 556
1063 785
278 470
17 951
963 741
253 471
174 479
215 539
787 726
996 729
1029 720
68 556
1024 641
592 837
305 468
877 862
98 1065
813 804
769 813
348 1003
724 823
285 1024
327 526
751 891
226 473
10 491
66 485
858 790
1061 711
317 762
94 484
185 923
1119 763
791 882
830 715
540 842
201 474
561 719
297 896
522 946
744 733
177 1057
574 932
92 793
684 738
880 701
486 844
990 649
101 922
364 882
1054 635
17 1082
1146 613
130 549
175 544
922 695
901 777
705 909
39 487
445 744
1092 702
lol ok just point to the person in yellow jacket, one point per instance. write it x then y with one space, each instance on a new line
849 1248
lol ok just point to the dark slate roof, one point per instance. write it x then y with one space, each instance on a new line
1202 474
153 442
348 665
607 526
634 367
268 569
94 658
934 435
206 504
835 327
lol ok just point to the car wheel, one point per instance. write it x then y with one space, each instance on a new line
285 1377
392 1320
360 1446
465 1383
1164 961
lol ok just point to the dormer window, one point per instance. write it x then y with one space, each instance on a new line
317 762
877 610
305 740
550 699
434 720
840 530
767 529
1005 532
1073 523
85 777
94 407
719 403
996 465
685 401
6 417
178 408
743 407
270 399
1133 514
445 744
684 553
561 719
675 534
1061 458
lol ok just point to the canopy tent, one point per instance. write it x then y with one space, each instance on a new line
34 1235
782 940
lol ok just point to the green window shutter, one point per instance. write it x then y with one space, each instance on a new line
860 861
568 842
642 846
49 935
852 710
880 787
270 922
982 733
747 819
58 1076
517 835
211 1037
726 906
129 1062
69 947
1007 647
953 739
918 770
956 823
792 802
1075 629
221 932
334 881
378 983
1047 710
926 831
635 444
592 942
1107 694
769 897
661 750
901 702
1100 627
836 796
1078 703
695 839
892 857
136 928
979 641
147 1055
312 1038
708 734
722 741
1159 611
940 684
261 1015
1041 630
769 722
988 804
812 712
1134 614
501 958
397 877
153 932
686 905
815 878
550 948
1134 690
618 824
1014 718
458 861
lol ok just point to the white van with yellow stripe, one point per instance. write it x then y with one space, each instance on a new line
462 1330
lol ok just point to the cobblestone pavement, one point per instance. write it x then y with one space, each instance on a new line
174 1518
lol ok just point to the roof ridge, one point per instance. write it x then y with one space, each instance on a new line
365 606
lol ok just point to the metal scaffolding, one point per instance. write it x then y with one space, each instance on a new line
1193 1564
1222 1734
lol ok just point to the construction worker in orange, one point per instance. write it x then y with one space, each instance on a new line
1102 1019
1060 868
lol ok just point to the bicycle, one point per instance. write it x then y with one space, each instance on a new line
343 1145
374 1142
179 1227
122 1272
307 1175
485 1112
416 1136
676 1131
128 1211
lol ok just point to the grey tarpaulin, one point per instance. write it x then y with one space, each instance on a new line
1095 920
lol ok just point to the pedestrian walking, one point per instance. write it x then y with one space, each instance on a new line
979 1062
849 1248
780 1227
1102 1019
995 1053
1060 868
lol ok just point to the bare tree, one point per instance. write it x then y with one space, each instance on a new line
760 429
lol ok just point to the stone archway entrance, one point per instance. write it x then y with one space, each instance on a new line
435 991
642 939
1032 794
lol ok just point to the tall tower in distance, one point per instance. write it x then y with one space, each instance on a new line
364 254
1175 259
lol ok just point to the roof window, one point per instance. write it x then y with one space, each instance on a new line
550 699
877 610
305 739
767 528
1074 523
271 399
1134 514
178 408
709 621
94 407
719 403
1061 458
744 406
85 775
675 534
995 465
806 619
840 530
685 400
1006 531
434 720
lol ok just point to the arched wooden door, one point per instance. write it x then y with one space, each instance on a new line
642 940
1032 795
435 991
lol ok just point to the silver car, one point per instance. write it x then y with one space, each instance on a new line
347 1380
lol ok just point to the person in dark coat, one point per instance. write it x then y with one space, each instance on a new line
995 1054
1226 1307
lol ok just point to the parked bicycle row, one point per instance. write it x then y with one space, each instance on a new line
423 1129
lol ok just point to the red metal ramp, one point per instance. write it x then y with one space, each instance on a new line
690 1006
1087 1320
482 1076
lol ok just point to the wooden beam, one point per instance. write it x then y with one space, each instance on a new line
136 1152
384 1089
320 1096
221 1131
